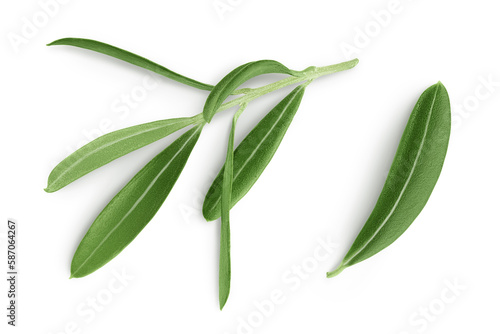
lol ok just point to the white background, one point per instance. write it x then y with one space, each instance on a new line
322 183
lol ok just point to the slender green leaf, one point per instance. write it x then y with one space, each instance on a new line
254 153
110 147
225 231
238 76
412 177
133 207
131 58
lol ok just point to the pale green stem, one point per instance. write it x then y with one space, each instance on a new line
335 272
309 74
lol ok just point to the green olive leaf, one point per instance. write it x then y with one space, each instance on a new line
254 153
238 76
225 232
412 177
110 147
131 58
133 207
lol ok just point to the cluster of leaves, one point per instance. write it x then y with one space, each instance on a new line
136 204
411 180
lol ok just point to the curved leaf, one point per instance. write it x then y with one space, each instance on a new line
133 207
254 153
235 78
225 232
110 147
412 177
131 58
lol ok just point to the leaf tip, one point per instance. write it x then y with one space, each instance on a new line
439 83
51 187
58 41
208 215
222 303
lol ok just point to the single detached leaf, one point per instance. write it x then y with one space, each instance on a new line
131 58
254 153
412 177
133 207
225 232
110 147
238 76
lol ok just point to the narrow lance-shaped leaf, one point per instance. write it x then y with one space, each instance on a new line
131 58
110 147
254 153
133 207
238 76
225 231
412 177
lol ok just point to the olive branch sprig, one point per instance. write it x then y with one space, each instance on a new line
137 202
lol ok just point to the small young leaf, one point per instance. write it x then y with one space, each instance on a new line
110 147
133 207
225 232
412 177
131 58
254 153
238 76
